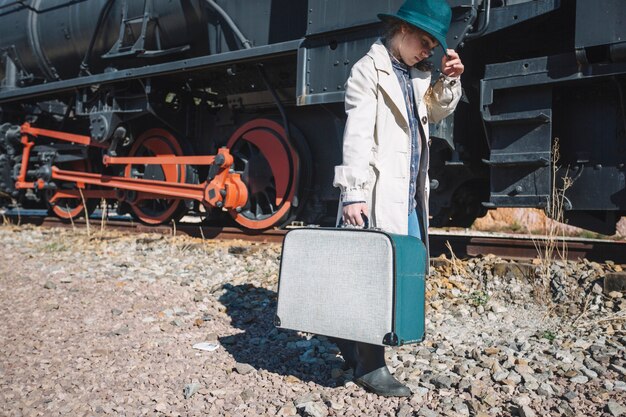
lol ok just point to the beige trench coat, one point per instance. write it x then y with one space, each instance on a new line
376 141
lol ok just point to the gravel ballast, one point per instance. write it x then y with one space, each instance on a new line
129 325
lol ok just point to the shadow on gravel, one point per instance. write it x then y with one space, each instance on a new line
263 346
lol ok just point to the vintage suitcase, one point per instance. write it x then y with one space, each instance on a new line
355 284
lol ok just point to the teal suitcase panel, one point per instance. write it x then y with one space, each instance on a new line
410 261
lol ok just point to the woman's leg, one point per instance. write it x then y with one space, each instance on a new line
371 370
348 351
372 373
414 225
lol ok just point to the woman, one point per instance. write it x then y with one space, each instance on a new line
384 174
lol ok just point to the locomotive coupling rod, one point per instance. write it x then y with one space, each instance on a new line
158 160
210 193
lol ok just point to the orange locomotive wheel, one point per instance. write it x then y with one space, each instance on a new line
156 211
69 209
270 171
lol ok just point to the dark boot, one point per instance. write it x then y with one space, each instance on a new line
372 374
347 348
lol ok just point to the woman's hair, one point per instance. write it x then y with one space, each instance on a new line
392 27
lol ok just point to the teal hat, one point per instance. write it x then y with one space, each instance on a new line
431 16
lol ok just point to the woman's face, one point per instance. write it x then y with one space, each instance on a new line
413 45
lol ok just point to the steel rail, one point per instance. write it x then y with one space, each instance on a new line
463 245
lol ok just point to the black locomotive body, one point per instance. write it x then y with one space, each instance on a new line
93 88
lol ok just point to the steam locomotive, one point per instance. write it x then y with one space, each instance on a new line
233 109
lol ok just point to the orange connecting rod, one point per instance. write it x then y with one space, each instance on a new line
225 190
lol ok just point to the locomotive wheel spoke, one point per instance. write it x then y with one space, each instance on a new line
156 211
269 168
69 209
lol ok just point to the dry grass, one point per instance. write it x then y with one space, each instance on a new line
552 246
105 214
82 197
458 267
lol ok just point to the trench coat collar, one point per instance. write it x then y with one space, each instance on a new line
387 79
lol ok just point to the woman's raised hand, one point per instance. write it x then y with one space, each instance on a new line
451 64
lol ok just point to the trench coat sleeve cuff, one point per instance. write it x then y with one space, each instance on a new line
444 96
353 195
448 79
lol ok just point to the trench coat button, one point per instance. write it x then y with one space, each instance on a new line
452 82
424 120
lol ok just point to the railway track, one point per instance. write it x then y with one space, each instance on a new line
463 245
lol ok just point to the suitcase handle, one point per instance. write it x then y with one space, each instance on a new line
366 224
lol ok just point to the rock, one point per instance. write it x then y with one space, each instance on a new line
426 412
513 378
519 271
313 409
49 285
237 250
571 373
545 390
589 373
246 395
570 395
492 351
337 405
526 411
441 381
464 384
500 376
498 309
116 312
243 368
462 409
287 410
615 294
521 401
594 366
566 410
580 379
491 399
291 379
615 282
420 391
198 297
306 398
191 389
615 409
122 330
619 369
405 411
524 369
478 389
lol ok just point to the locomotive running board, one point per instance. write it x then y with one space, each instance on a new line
185 65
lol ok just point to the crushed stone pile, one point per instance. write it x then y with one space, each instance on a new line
127 325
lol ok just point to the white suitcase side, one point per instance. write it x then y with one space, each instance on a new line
337 283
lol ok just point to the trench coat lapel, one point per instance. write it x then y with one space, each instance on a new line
387 79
